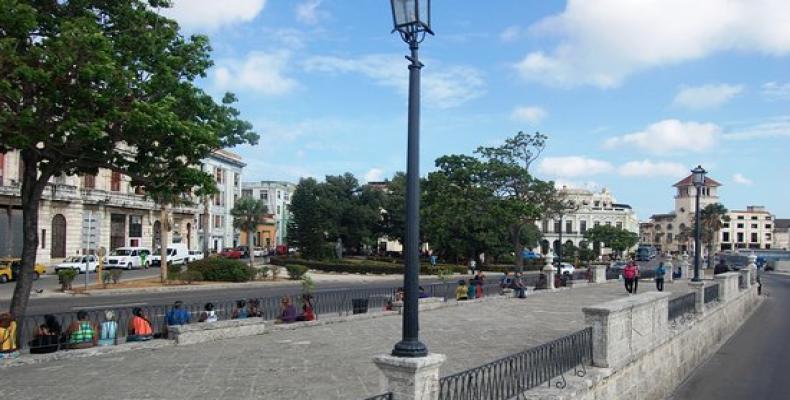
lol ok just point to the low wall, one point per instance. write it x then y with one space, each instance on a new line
651 364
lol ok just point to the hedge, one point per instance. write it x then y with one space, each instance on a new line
362 267
222 270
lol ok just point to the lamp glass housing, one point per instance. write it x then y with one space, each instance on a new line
410 16
698 176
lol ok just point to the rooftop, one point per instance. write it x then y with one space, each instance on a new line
781 223
687 181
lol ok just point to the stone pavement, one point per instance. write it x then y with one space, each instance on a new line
321 362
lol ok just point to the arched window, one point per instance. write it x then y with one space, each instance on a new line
58 248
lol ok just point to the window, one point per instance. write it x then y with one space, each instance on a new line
619 225
767 236
583 226
740 217
236 179
278 195
568 226
669 237
608 223
218 174
89 181
725 236
135 226
115 181
278 210
754 226
246 193
557 226
43 238
768 218
740 237
545 227
740 226
287 196
724 225
754 237
596 223
218 221
217 199
264 195
597 203
767 226
754 217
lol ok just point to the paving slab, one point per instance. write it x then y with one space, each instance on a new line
322 362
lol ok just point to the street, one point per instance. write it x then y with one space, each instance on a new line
753 363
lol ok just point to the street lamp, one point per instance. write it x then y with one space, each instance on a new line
698 178
412 19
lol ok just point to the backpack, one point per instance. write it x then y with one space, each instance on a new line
629 272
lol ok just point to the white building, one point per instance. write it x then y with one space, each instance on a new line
781 234
749 229
595 208
226 167
277 196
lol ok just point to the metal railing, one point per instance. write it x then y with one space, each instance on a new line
681 305
384 396
511 376
711 293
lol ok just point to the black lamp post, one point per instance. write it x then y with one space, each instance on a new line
698 178
412 19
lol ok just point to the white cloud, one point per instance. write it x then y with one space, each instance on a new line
510 33
776 91
573 166
258 72
740 179
647 168
211 14
307 12
778 127
706 96
530 114
444 87
374 175
602 42
669 135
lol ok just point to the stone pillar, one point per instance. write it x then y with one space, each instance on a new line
747 279
410 378
670 270
684 267
753 268
625 328
728 285
699 289
549 271
599 274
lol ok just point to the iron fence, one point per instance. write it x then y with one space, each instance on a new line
511 376
711 293
384 396
681 305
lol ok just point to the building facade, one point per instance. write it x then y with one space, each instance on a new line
226 168
80 214
749 229
672 231
781 234
595 208
277 196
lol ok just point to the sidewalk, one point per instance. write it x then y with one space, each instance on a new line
321 362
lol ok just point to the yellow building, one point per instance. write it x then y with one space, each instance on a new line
264 234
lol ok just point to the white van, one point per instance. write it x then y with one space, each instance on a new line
128 258
177 254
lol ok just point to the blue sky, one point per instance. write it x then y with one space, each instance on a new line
632 93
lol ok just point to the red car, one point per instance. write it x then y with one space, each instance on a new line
230 252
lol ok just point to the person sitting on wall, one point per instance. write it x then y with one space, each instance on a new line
241 311
518 286
8 347
47 339
461 292
308 314
287 311
140 328
108 329
82 333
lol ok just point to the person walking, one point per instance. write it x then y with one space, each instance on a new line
661 271
629 275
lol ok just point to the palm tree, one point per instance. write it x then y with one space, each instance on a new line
247 214
712 218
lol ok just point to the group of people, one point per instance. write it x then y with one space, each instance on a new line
289 314
631 275
472 288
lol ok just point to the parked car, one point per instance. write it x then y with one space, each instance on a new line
195 255
260 252
245 251
9 269
79 264
618 266
230 252
129 258
530 255
177 254
567 268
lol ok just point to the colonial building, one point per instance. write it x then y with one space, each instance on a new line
781 234
749 229
79 214
277 196
671 231
595 208
226 168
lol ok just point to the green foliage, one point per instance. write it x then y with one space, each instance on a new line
190 276
98 84
173 272
295 271
115 275
222 270
66 277
364 267
618 239
307 284
306 229
106 278
247 213
263 272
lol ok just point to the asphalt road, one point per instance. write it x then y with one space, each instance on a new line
49 282
753 364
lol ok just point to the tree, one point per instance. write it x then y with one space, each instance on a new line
712 217
393 217
524 199
617 239
97 84
306 229
247 215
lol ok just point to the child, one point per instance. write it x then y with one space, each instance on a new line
462 292
471 291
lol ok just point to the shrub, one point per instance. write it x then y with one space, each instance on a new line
222 270
65 277
173 272
295 271
307 284
190 276
363 267
106 278
116 275
275 272
263 272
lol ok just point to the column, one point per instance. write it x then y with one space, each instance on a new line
549 271
684 267
410 378
599 274
728 285
670 269
699 289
